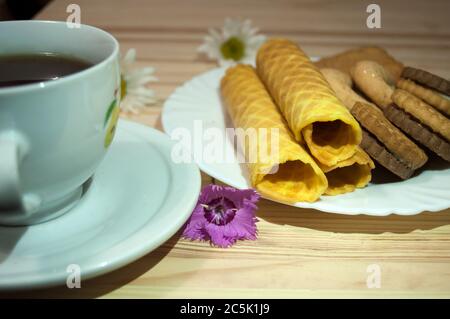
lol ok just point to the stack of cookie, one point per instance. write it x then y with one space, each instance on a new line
384 142
421 108
392 106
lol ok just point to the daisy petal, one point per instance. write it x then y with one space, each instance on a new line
221 45
136 93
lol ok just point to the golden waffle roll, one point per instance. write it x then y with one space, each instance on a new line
349 174
290 176
312 110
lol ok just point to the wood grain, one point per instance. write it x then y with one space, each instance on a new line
299 252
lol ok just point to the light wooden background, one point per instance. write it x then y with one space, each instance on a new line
300 252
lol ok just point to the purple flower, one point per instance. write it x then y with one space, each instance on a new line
223 215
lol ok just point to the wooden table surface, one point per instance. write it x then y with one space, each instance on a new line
299 252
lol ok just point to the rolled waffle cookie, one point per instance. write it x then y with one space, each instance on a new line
430 96
428 79
355 172
349 174
290 175
386 144
312 110
420 121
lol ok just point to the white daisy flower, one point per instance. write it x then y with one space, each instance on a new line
135 93
238 41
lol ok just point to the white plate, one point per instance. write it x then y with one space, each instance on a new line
199 99
137 200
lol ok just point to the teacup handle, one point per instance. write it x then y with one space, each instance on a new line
13 147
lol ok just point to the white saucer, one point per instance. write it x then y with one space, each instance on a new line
137 200
199 99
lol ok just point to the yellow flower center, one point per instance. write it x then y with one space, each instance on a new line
233 49
123 87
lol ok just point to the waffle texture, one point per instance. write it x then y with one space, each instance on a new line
349 174
290 176
312 110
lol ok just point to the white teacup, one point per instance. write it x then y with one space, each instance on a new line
54 134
